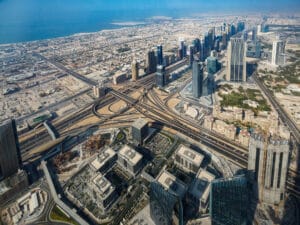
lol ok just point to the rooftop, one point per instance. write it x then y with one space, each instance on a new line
132 156
103 185
190 155
140 123
171 183
102 158
201 186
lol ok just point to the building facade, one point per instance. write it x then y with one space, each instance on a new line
159 53
188 159
212 65
130 160
229 201
278 49
197 82
139 130
268 164
236 63
10 158
151 62
160 76
135 70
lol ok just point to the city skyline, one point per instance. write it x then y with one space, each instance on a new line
149 121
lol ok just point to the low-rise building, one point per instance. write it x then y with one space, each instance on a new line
244 137
130 160
188 159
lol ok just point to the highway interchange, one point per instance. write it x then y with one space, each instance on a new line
160 115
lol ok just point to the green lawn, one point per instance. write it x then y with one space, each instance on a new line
236 99
58 215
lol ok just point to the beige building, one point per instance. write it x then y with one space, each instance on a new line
171 183
135 70
188 159
200 188
130 160
104 160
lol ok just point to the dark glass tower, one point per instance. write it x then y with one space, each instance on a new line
160 58
151 62
229 201
197 81
10 158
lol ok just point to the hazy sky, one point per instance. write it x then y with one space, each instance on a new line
253 5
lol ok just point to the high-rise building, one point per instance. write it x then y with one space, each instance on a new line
159 53
160 76
212 65
135 70
224 40
229 201
10 157
278 52
232 30
139 130
236 63
254 34
163 204
197 45
192 51
202 50
211 38
268 164
197 82
240 26
151 62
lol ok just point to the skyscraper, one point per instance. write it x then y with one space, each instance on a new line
160 76
224 40
192 51
268 164
202 50
160 58
236 63
229 201
10 158
197 44
240 26
135 70
254 34
151 62
212 65
197 82
278 52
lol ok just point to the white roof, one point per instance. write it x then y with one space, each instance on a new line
132 156
171 183
140 123
190 155
102 158
103 185
201 186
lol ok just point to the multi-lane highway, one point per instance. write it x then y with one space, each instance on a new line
219 144
282 114
65 69
162 116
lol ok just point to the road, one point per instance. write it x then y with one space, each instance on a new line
281 112
220 144
60 66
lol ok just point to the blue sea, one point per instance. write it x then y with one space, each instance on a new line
28 20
